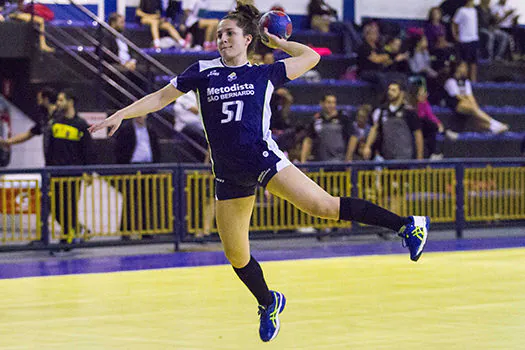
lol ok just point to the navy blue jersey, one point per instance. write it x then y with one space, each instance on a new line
235 110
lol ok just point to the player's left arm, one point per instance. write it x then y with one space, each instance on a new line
303 58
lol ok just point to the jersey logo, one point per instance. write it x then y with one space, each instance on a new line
213 73
232 76
66 132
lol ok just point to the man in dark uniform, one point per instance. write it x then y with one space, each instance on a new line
137 143
328 134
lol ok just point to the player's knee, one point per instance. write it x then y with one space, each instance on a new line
327 208
237 259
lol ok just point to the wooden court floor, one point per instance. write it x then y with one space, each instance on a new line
456 300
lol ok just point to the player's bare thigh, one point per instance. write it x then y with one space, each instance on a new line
294 186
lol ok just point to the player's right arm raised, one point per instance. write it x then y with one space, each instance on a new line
148 104
303 58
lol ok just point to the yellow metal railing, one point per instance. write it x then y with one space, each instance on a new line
430 192
108 206
494 193
19 210
270 213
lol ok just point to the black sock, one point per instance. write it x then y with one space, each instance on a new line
253 278
355 209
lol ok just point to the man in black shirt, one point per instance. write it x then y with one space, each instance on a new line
46 99
67 142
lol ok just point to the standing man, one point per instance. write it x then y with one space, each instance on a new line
331 130
397 127
46 99
68 142
136 143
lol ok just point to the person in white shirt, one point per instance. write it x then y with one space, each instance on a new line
461 100
188 120
194 22
466 33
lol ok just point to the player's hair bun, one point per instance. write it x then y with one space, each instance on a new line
248 11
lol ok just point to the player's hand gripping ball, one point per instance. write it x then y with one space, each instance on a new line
278 23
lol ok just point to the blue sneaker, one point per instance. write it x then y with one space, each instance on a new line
269 317
415 235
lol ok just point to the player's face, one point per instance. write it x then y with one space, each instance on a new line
230 39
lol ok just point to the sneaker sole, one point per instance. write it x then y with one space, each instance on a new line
282 304
422 247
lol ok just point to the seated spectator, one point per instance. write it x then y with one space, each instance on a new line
466 33
149 13
39 14
119 48
396 128
361 128
188 121
398 59
322 17
195 23
493 34
430 123
372 59
460 99
329 133
507 20
420 62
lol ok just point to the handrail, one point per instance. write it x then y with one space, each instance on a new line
116 34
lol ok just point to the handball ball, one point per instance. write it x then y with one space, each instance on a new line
278 24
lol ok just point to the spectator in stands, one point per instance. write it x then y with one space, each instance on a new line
466 34
46 99
398 60
435 30
507 20
420 61
430 123
39 14
396 128
149 13
323 17
195 23
120 49
460 99
361 128
189 123
330 130
136 142
494 35
372 59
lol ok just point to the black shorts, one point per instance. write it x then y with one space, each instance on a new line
469 51
244 184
